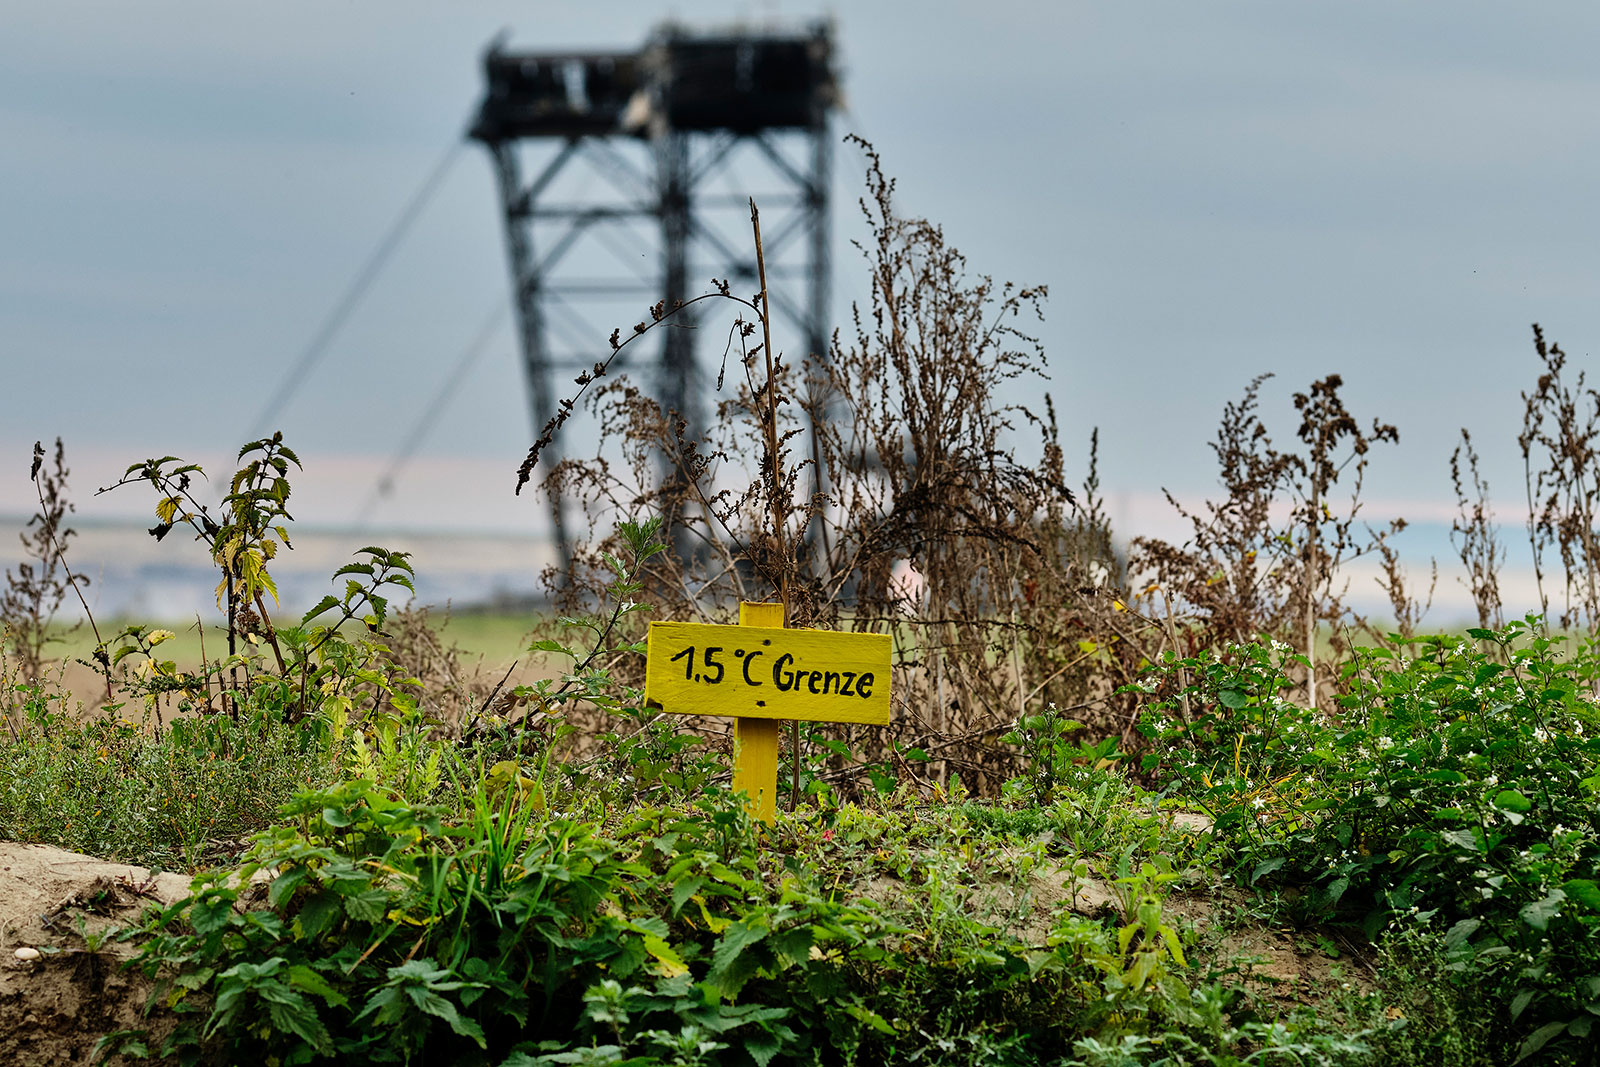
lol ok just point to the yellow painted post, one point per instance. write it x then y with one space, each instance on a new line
755 741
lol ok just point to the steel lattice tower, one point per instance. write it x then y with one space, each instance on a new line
625 179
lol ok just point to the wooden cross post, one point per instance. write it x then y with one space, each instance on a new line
761 674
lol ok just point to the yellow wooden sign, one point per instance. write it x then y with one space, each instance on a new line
765 673
758 672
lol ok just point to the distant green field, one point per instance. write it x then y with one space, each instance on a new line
498 638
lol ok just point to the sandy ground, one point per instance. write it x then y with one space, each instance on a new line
55 1006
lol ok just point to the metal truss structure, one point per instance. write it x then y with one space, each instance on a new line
625 179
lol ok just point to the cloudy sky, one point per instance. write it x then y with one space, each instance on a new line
1211 191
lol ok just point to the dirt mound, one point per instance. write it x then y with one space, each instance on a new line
58 998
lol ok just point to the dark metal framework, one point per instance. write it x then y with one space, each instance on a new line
625 178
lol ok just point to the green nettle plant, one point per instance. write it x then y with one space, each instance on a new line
315 665
498 936
1052 762
242 538
1456 790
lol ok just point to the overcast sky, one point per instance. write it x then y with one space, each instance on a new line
1211 191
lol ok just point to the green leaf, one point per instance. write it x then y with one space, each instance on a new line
1266 867
1511 800
1170 936
762 1046
1584 891
1540 912
869 1017
1538 1039
435 1005
1458 934
367 906
683 890
300 1018
731 962
329 601
302 977
319 913
212 912
337 817
670 963
284 885
1233 698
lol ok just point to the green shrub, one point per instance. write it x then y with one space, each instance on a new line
1455 790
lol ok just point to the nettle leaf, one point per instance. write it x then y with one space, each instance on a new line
731 963
762 1046
212 912
298 1017
433 1004
668 963
302 977
319 913
367 906
265 581
284 885
329 601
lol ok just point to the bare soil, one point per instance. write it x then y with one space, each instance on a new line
55 1006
